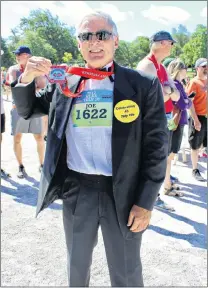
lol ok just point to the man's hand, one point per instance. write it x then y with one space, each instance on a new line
197 124
139 219
36 66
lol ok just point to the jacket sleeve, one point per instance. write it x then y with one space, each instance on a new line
29 103
154 148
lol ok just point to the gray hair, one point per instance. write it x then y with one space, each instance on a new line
99 14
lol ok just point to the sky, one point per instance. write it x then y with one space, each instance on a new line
133 18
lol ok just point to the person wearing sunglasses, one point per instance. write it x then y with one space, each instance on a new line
198 112
106 151
161 44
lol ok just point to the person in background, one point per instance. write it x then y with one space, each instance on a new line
3 172
177 71
6 87
20 125
198 112
161 44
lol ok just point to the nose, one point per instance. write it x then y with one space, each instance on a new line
94 39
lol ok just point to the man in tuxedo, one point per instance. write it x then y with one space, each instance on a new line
106 151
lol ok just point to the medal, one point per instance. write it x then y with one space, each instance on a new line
59 75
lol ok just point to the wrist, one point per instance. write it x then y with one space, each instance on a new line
26 78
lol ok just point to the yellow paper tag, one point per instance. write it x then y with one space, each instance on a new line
126 111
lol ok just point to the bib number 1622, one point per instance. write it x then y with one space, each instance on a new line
91 114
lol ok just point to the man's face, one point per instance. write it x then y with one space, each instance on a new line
22 58
97 52
202 70
167 47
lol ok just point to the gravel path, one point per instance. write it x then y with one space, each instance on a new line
33 250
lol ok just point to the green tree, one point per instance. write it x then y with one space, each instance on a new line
67 57
123 55
182 36
38 46
196 47
57 34
140 48
130 53
7 59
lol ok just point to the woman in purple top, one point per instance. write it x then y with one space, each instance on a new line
177 71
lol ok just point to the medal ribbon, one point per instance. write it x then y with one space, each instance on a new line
85 73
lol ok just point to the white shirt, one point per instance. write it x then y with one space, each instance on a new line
89 129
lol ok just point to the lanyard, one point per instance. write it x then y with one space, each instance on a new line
85 73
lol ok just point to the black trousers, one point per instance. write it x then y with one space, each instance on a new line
90 204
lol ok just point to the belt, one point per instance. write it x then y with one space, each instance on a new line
92 178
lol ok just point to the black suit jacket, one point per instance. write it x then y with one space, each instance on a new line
139 148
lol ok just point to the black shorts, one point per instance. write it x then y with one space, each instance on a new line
177 139
198 138
170 134
2 123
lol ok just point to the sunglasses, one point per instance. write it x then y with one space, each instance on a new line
100 35
205 66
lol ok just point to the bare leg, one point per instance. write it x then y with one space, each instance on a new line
45 125
167 182
40 147
18 148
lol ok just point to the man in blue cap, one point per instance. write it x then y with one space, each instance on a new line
161 44
20 125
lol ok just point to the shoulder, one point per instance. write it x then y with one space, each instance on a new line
138 75
13 68
145 62
147 66
193 83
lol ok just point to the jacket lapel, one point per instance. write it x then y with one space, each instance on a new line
122 91
120 131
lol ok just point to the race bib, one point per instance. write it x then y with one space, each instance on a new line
94 108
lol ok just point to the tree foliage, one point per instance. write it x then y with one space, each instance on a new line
130 53
196 47
47 36
7 58
67 57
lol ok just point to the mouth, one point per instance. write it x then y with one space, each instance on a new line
94 51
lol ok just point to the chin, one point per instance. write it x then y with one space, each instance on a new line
97 63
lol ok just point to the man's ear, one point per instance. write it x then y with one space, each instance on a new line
116 43
78 45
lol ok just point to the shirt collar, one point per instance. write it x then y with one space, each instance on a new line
106 66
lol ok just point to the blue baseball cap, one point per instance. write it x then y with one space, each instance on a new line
22 49
160 36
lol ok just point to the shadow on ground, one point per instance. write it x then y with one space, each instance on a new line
24 193
198 239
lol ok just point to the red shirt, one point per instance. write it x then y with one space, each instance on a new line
163 77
